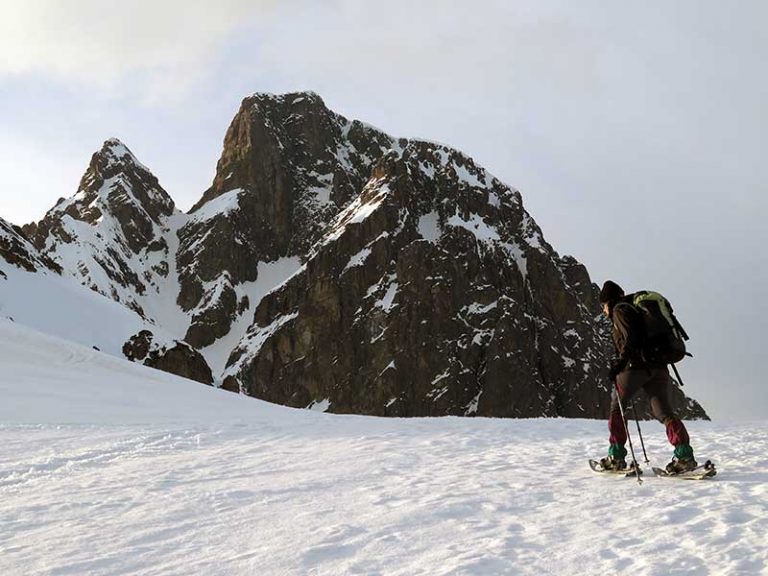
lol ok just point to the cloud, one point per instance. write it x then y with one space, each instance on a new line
159 49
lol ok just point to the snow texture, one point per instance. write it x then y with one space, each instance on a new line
429 227
358 259
360 208
219 207
64 308
108 467
477 226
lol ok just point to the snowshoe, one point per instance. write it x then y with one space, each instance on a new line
597 466
707 470
680 465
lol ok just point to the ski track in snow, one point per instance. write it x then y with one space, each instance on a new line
220 484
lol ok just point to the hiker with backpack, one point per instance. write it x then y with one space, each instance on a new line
647 338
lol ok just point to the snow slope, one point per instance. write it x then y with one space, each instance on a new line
61 306
107 468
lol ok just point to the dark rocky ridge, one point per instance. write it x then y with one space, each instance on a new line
480 317
288 166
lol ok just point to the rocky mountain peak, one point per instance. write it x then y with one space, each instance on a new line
294 154
117 183
288 166
111 233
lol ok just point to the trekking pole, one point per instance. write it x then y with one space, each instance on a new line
679 380
626 431
637 421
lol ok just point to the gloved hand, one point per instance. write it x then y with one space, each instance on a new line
616 369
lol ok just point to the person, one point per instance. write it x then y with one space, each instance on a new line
630 373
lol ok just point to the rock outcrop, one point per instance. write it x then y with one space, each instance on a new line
175 357
17 250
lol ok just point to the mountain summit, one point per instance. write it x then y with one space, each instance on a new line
109 234
288 166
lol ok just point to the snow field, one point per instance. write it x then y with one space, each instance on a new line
126 475
64 308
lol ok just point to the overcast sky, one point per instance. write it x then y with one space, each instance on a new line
637 135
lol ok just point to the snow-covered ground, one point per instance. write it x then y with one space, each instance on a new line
108 467
61 306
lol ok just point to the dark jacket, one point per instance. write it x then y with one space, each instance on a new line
628 333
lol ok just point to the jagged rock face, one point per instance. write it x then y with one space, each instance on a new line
288 166
175 357
433 293
110 234
17 250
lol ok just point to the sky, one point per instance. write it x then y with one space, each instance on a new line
635 133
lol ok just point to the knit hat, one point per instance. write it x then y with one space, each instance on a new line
610 292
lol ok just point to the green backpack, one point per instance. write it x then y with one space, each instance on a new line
664 340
